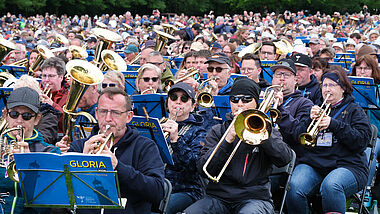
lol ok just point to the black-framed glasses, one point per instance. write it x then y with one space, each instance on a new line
105 85
156 63
218 69
243 98
114 113
147 79
174 97
25 116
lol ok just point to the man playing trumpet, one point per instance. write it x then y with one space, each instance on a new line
135 158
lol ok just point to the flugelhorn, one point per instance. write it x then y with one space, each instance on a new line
309 138
101 145
204 97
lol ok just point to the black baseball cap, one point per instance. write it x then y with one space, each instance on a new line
197 27
24 97
184 87
302 60
285 63
220 57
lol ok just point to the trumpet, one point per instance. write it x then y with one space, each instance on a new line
149 89
110 138
165 119
204 97
309 138
271 103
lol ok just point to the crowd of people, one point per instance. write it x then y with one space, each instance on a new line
211 50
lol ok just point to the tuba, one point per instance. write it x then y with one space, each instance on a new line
84 74
112 61
105 40
5 48
309 138
43 53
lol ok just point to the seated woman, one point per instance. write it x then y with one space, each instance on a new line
336 166
185 136
113 79
148 80
366 66
22 109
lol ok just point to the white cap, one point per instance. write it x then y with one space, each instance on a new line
338 44
350 41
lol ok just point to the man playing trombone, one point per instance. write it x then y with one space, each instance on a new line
244 187
135 158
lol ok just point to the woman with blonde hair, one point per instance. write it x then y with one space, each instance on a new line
148 80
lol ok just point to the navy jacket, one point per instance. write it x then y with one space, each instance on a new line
140 171
312 91
293 109
247 175
351 133
183 174
189 34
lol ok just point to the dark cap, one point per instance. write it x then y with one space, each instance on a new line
220 57
197 27
302 60
29 45
285 63
149 44
245 86
24 97
91 39
184 87
131 49
216 45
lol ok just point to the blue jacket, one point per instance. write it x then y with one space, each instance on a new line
312 91
293 109
183 174
36 144
189 34
140 171
247 176
351 133
227 88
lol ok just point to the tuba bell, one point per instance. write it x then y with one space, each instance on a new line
253 48
83 74
112 61
43 54
78 52
169 29
105 39
5 48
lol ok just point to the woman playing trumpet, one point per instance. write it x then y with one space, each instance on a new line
336 166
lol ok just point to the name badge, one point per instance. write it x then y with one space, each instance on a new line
324 139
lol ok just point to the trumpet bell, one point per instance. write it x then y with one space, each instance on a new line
307 140
78 52
112 61
253 48
253 126
6 47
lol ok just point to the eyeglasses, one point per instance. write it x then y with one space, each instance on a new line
25 116
218 69
266 53
247 69
285 74
147 79
105 85
186 48
174 97
243 98
50 76
330 85
114 113
156 63
363 68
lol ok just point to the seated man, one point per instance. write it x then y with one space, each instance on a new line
135 158
244 187
186 133
219 68
22 109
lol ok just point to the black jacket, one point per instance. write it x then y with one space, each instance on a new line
48 125
351 133
312 91
293 109
247 176
140 171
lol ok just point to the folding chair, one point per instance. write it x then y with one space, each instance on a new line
288 169
371 144
163 206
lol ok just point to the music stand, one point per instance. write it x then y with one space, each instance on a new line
85 129
154 105
72 180
365 92
266 72
150 127
4 94
16 71
222 106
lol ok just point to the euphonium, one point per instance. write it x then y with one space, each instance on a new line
162 39
112 61
105 39
204 97
83 74
11 167
101 145
309 138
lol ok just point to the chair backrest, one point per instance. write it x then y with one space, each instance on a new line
288 169
373 139
165 201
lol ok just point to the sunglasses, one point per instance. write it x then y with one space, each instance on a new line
218 69
174 97
25 116
244 99
105 85
147 79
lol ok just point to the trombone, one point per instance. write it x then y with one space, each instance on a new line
309 138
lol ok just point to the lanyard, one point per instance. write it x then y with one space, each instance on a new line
340 111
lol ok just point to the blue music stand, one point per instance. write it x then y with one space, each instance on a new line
16 71
154 105
71 180
222 106
266 72
130 78
365 92
4 94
